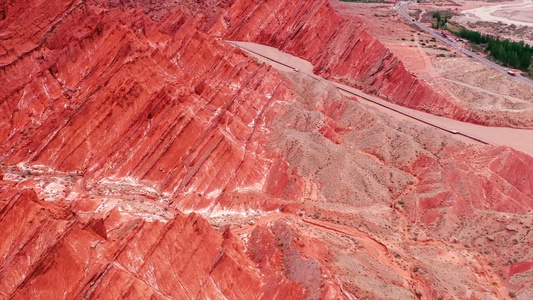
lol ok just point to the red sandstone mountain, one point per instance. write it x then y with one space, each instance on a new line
144 157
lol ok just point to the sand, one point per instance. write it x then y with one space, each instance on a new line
520 13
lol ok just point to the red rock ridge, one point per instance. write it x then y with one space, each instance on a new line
342 50
119 122
126 113
124 107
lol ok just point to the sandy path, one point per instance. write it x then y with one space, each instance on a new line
520 139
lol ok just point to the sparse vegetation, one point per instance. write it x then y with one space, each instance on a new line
508 53
440 19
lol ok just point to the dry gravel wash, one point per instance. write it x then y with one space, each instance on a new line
520 13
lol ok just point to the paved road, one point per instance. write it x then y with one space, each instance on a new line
401 9
520 139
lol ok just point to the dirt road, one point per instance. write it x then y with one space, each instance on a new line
520 139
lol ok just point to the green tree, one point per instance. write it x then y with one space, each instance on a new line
514 61
508 53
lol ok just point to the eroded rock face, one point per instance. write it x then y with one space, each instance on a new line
142 156
52 251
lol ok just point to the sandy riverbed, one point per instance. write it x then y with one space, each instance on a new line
517 13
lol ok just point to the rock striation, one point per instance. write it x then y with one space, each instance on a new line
142 156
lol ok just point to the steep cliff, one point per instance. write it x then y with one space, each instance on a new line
142 156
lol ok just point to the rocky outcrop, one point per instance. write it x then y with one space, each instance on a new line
127 113
53 251
163 115
144 157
